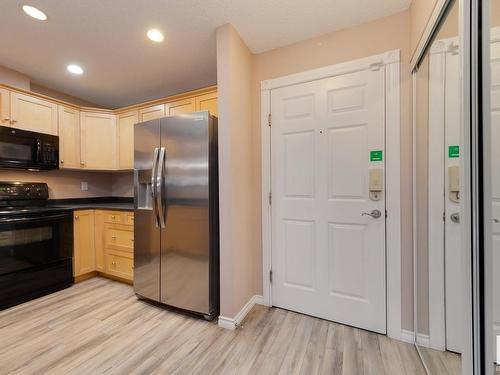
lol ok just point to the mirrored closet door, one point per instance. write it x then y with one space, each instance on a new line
439 251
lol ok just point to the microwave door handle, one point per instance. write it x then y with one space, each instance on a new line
160 175
153 186
38 150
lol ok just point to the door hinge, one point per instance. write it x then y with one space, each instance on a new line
271 276
269 119
386 214
444 217
270 198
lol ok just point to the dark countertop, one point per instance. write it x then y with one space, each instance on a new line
100 203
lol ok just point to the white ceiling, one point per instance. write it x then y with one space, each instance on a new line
107 38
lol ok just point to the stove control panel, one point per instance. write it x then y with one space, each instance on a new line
23 190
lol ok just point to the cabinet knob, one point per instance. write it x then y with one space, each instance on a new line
76 217
62 161
6 119
13 121
113 237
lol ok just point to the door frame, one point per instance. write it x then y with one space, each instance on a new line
390 62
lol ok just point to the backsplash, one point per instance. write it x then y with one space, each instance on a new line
122 184
65 184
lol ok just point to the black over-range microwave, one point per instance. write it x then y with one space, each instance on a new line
23 149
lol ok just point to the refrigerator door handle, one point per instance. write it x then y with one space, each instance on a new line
160 178
154 192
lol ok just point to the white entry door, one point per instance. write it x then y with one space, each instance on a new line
327 165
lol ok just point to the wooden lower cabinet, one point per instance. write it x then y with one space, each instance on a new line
104 243
83 245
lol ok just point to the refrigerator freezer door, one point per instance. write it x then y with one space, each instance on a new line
185 246
146 230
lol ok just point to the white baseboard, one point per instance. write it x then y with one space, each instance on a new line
407 336
423 340
232 323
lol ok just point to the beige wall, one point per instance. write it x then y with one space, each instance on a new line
420 13
239 245
372 38
65 184
13 78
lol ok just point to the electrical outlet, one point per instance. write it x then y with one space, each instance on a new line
85 186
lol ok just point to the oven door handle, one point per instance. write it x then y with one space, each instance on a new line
34 219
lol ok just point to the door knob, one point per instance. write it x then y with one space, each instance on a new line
374 214
455 217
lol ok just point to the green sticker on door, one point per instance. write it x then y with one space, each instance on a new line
376 155
453 151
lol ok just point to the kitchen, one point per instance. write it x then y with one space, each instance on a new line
183 191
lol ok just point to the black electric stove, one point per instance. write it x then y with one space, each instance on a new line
36 243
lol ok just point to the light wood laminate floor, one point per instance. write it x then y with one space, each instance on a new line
441 362
99 327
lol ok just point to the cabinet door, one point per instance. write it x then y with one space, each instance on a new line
84 250
31 113
180 106
98 140
69 137
207 102
126 122
99 240
4 107
151 113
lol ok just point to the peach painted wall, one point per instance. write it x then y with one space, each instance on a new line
65 184
368 39
239 245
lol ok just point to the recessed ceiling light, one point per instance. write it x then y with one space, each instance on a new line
155 35
34 12
75 69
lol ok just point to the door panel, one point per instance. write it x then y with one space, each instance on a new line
69 137
180 107
34 114
4 107
152 113
98 140
328 259
146 232
126 122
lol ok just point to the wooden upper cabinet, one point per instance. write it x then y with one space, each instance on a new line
208 102
83 242
150 113
180 106
4 107
34 114
98 133
69 137
126 122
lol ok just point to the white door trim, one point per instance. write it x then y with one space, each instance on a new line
390 62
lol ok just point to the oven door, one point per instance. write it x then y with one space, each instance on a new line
35 256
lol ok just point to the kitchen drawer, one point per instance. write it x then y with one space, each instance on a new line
129 219
120 264
119 237
114 217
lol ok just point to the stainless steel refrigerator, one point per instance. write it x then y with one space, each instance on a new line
176 237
